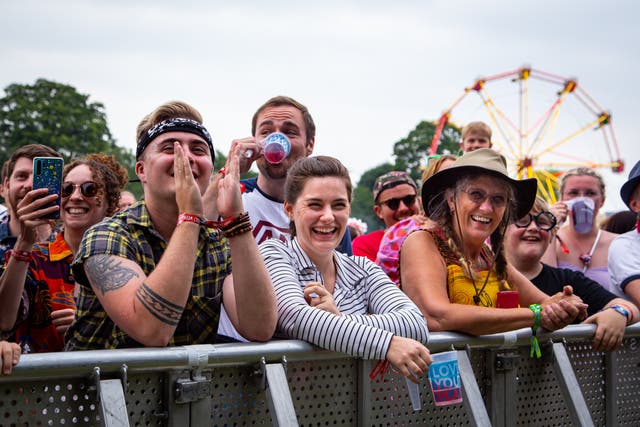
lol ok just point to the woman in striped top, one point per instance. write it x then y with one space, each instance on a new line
334 301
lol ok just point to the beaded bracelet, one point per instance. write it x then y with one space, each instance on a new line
240 225
223 224
537 317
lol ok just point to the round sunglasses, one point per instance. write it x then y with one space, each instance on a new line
88 189
544 220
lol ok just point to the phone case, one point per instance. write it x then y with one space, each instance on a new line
47 173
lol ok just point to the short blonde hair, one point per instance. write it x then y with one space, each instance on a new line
476 127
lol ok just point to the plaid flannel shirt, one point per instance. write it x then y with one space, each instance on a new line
130 234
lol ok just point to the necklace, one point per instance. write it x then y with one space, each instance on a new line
476 297
586 257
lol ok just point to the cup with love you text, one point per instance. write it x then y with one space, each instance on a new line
444 378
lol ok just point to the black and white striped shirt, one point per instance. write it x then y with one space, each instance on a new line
373 308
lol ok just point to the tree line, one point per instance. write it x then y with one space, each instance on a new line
57 115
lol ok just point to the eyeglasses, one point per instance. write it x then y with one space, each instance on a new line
88 189
478 196
394 203
544 220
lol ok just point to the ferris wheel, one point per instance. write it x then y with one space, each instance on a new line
542 123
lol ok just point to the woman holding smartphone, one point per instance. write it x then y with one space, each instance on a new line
37 313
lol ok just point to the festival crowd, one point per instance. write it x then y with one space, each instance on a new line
205 257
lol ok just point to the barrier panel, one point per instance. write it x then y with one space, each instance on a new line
293 383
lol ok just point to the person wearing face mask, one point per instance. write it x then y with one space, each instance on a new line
527 239
450 272
338 302
40 309
580 245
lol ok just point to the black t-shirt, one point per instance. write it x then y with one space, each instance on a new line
551 280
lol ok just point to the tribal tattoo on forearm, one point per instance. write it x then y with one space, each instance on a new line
163 310
107 273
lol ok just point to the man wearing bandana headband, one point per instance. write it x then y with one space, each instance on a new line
156 273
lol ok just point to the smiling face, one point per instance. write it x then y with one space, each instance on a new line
475 140
320 214
526 245
478 206
19 183
78 211
391 216
155 167
289 121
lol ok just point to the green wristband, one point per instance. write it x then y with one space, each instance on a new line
537 317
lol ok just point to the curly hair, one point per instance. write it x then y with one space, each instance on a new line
108 174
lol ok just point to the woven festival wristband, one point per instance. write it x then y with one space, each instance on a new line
187 217
537 318
22 256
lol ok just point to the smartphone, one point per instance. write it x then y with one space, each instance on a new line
47 173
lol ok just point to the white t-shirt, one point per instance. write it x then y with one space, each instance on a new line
269 220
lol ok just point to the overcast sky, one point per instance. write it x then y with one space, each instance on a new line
368 71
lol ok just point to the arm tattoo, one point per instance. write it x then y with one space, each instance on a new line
163 310
107 273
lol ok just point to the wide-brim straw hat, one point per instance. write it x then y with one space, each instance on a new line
483 161
627 189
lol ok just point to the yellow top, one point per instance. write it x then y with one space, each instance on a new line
461 289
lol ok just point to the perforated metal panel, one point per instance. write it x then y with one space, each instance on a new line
588 366
238 398
540 401
391 404
144 397
324 393
50 403
628 383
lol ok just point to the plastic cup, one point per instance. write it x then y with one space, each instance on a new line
276 147
444 378
414 394
582 214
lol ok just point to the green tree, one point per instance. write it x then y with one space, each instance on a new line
412 151
410 155
362 203
56 115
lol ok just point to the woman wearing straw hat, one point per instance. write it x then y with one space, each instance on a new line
450 272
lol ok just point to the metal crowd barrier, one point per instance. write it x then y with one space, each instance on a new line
292 383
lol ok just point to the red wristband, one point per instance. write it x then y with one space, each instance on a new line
24 256
187 217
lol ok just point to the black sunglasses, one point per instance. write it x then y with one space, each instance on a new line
88 189
394 203
544 220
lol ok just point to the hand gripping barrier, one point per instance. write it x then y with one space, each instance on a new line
293 383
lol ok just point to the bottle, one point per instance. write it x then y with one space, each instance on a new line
276 147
